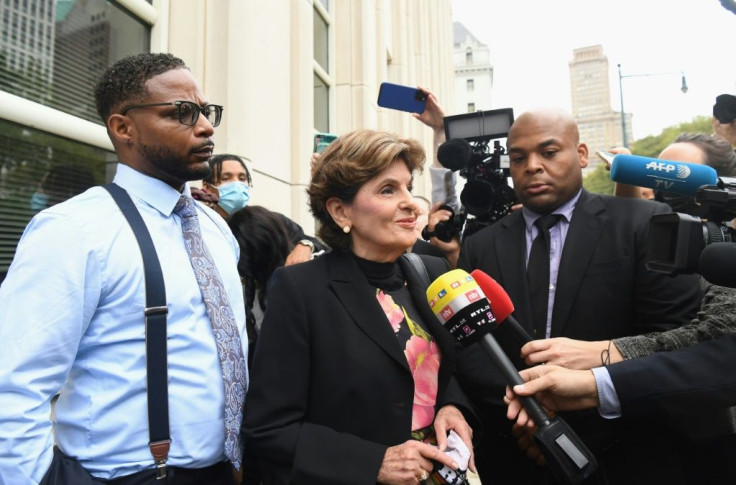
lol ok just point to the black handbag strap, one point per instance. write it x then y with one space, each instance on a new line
155 319
419 267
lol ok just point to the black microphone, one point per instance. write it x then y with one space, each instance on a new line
454 154
461 307
717 264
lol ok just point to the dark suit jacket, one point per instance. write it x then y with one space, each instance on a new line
700 379
603 291
330 387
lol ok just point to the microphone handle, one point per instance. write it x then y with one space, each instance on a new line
512 377
522 336
567 456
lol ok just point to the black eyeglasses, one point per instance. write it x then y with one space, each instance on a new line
187 111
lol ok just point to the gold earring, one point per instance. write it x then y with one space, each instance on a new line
346 229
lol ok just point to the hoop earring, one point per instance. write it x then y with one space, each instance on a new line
346 229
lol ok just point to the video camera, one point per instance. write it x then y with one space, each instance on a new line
486 197
677 240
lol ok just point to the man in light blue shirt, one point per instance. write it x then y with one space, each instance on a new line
71 307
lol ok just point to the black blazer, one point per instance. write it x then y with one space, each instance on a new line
603 291
330 388
699 380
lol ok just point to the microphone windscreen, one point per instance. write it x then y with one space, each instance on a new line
501 303
460 306
677 177
718 264
454 154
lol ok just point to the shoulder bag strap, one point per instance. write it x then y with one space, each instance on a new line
155 320
419 267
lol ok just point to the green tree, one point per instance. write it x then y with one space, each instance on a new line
651 146
599 181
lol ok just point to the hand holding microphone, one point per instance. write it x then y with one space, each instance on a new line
463 309
573 354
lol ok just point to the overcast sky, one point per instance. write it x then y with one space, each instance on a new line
531 43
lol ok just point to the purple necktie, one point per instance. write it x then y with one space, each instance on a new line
227 336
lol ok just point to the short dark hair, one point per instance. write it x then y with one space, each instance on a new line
216 162
125 80
718 152
264 246
349 162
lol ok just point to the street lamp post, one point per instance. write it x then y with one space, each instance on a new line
683 88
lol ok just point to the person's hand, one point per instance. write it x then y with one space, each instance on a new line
616 151
569 353
450 418
433 115
451 248
727 131
411 463
299 254
556 388
525 440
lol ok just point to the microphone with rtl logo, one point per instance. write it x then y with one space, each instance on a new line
463 309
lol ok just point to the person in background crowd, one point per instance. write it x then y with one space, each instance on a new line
60 183
264 246
352 376
231 183
73 306
596 287
724 118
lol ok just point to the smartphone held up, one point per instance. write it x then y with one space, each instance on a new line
402 98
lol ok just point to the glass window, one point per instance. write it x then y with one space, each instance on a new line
322 78
471 107
321 41
321 105
469 56
61 72
38 170
470 86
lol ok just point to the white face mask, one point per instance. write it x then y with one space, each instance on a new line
233 196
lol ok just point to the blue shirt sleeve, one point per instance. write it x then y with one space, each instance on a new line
609 405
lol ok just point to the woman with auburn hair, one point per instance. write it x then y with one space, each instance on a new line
352 376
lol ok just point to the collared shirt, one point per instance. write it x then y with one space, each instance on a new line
71 320
609 405
557 236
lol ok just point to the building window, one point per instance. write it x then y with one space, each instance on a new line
33 162
69 83
321 105
469 56
322 72
67 47
471 107
470 85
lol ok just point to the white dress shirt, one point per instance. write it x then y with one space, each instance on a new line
71 321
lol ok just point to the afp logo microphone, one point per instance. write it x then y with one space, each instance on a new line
676 177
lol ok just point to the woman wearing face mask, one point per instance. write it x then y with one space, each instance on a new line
231 180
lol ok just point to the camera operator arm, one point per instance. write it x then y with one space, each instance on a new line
439 214
443 180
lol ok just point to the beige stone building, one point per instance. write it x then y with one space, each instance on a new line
599 124
283 69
